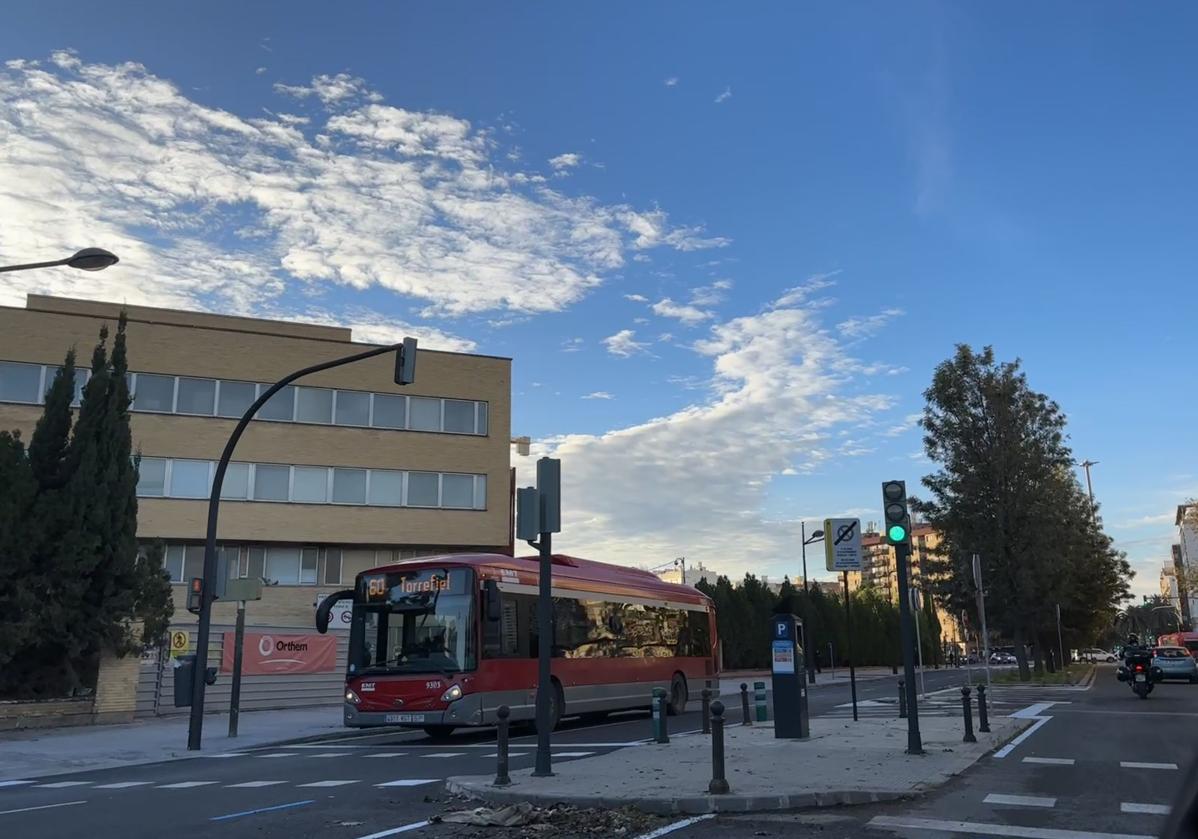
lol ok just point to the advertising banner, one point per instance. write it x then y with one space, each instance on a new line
265 654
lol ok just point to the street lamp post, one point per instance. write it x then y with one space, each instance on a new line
1086 464
88 259
404 370
817 536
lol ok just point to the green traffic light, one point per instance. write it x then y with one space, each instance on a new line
897 533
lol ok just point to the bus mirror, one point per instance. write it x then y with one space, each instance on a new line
325 608
494 603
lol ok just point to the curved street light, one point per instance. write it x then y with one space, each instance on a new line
88 259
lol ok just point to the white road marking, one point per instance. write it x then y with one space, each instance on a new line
226 754
1131 764
279 754
125 784
387 754
402 829
63 784
444 754
1050 761
1019 800
408 782
41 807
511 754
187 784
1146 809
572 754
254 784
14 783
331 754
981 829
670 828
329 783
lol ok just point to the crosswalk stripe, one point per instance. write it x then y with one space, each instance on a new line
187 784
330 754
1019 800
254 784
125 784
329 783
514 754
226 754
408 782
572 754
1131 764
63 784
14 783
1145 809
444 754
387 754
1050 761
280 754
984 829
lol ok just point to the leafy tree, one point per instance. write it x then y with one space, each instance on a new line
17 598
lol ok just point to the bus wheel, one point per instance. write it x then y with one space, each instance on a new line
678 695
555 707
438 732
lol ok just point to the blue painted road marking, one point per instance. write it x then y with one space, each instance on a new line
261 810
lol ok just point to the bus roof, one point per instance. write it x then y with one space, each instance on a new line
569 572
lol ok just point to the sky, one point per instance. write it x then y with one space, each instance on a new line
725 247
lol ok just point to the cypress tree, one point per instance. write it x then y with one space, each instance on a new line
17 596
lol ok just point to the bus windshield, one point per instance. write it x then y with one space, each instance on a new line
414 622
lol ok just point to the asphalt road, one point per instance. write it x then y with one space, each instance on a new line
361 784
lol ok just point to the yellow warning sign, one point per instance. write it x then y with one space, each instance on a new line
180 642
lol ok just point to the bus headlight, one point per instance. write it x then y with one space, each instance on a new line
454 693
352 697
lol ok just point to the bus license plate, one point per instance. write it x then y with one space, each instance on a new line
404 718
1140 677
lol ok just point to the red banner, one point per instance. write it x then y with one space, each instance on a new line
266 654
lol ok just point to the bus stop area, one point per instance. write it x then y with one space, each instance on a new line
843 762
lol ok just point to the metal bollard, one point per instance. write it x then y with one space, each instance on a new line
759 701
706 694
983 717
660 712
719 783
744 703
902 700
501 777
967 710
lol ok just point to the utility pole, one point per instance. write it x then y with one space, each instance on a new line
1086 464
898 533
808 646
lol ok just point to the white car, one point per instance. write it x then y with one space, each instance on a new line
1096 654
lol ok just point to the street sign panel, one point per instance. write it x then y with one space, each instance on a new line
180 642
842 544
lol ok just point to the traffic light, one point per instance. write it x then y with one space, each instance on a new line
405 362
894 504
195 591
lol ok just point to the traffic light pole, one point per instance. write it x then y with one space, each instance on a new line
544 762
914 741
195 729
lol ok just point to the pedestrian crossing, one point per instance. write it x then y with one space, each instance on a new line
941 703
193 784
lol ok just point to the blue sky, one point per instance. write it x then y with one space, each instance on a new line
747 235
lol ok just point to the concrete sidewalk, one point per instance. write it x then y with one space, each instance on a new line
842 763
37 753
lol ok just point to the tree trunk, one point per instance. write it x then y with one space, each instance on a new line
1037 655
1050 659
1021 656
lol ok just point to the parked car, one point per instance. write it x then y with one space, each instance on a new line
1175 663
1001 658
1095 654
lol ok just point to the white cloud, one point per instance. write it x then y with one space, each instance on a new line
776 388
863 327
249 214
372 328
569 160
802 292
909 422
599 394
572 345
624 343
636 298
1150 521
672 81
665 337
260 71
710 295
689 315
724 96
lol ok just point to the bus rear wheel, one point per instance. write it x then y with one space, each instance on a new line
678 696
556 703
438 732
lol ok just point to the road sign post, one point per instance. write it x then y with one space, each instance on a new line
240 590
981 595
842 552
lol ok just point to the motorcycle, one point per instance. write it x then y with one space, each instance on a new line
1139 671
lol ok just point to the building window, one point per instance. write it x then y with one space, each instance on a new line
151 477
349 486
424 414
482 418
457 491
255 562
353 408
423 490
282 566
154 393
310 484
309 559
332 566
313 404
386 488
236 486
236 398
189 478
172 560
196 396
81 377
271 482
20 382
389 411
280 407
459 416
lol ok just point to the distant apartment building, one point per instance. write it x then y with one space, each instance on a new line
1185 559
687 574
341 472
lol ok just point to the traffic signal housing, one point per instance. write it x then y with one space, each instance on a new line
195 591
405 362
894 507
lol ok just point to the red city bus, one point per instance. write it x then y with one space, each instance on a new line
1189 640
441 642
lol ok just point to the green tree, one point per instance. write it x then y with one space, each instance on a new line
17 600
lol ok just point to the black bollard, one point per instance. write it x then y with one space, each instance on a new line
663 732
706 694
967 710
902 700
501 776
983 718
744 703
719 783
